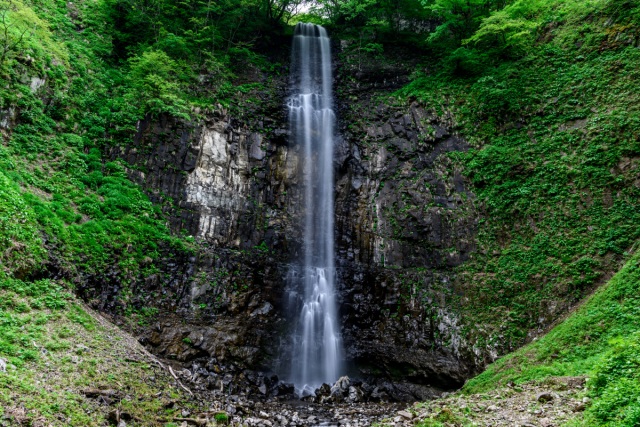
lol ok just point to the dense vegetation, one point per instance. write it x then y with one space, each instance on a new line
554 128
76 78
600 340
546 91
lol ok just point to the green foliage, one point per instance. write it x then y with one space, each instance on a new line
379 21
600 339
544 91
19 328
23 33
444 417
615 385
159 82
554 135
502 30
21 248
354 10
221 418
459 18
505 32
193 30
465 62
56 185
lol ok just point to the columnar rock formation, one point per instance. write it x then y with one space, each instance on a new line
404 220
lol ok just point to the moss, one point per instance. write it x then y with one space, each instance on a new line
58 350
553 163
600 340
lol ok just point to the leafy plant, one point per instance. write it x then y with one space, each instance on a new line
221 418
159 81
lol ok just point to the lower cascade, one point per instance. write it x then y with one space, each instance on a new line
317 349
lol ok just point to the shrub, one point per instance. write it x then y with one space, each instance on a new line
159 82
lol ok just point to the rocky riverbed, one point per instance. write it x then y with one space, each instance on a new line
550 403
253 399
547 404
305 414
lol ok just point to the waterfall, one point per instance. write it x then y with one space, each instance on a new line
317 350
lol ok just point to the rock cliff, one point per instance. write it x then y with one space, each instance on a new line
404 219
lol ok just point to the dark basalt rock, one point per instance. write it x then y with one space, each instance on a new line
404 220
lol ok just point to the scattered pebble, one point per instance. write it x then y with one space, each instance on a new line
508 407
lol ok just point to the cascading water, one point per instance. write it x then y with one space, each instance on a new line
317 350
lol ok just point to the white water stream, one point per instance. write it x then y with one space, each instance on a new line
317 350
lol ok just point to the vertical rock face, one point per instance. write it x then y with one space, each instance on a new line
235 191
219 184
218 180
404 220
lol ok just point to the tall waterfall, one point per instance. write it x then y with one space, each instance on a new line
317 350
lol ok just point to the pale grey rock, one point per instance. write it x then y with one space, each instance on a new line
342 385
7 118
355 394
255 151
36 83
218 183
406 414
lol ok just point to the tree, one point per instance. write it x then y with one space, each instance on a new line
12 33
376 15
23 33
504 31
278 11
159 83
459 18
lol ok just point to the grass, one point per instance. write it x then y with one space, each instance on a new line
601 340
20 243
56 350
554 157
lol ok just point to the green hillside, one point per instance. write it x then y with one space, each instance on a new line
555 133
599 340
547 93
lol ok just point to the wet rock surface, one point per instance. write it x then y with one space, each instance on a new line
345 403
404 220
